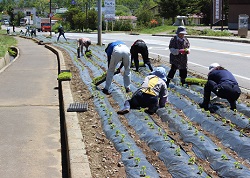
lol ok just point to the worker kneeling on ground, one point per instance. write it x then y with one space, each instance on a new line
152 94
83 42
222 83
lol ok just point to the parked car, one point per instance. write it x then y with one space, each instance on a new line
6 22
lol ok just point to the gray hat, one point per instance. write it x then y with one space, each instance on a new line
182 30
160 72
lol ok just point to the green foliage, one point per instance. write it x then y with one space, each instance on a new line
65 76
5 43
121 10
11 52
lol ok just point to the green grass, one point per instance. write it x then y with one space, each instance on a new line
5 42
159 29
65 76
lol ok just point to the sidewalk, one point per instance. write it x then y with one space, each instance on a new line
30 123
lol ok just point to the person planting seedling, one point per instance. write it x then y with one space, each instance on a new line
152 94
83 42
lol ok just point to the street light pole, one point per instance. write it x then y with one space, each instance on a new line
99 22
50 17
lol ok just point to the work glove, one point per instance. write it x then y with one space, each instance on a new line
184 51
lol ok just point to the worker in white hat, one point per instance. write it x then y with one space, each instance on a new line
222 83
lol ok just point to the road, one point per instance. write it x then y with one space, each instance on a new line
232 55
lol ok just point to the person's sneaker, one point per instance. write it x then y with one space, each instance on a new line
122 112
128 90
105 91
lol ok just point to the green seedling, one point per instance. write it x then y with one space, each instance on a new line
165 135
178 151
202 138
146 117
201 170
171 143
183 121
110 120
137 161
151 125
132 153
190 125
237 165
208 113
129 145
241 115
143 171
122 139
142 110
235 111
191 160
159 131
175 115
224 121
169 111
224 157
241 133
112 126
218 149
249 121
110 113
231 126
196 132
117 132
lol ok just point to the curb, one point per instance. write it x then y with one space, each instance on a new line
77 158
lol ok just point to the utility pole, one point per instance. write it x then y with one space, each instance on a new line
50 17
222 14
99 22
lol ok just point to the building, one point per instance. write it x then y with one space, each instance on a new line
237 7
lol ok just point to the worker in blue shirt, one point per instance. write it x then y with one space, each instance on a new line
222 83
117 52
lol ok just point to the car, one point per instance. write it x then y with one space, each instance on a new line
6 22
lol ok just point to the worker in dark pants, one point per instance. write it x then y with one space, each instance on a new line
152 94
140 46
61 32
222 83
179 49
83 42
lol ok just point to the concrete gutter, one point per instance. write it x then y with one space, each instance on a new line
78 163
5 61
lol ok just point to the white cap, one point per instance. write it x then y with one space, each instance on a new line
212 66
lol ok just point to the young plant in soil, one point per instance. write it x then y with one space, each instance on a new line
231 126
159 131
202 138
178 151
112 126
237 165
165 135
122 138
224 157
190 125
151 125
171 143
143 171
137 161
117 132
131 154
241 133
196 132
191 160
201 170
218 149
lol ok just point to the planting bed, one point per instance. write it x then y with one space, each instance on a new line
180 140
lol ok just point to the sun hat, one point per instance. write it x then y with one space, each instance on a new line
212 66
160 72
181 30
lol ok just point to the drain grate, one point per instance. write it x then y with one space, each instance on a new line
77 107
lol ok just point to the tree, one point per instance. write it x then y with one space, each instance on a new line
122 11
172 8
